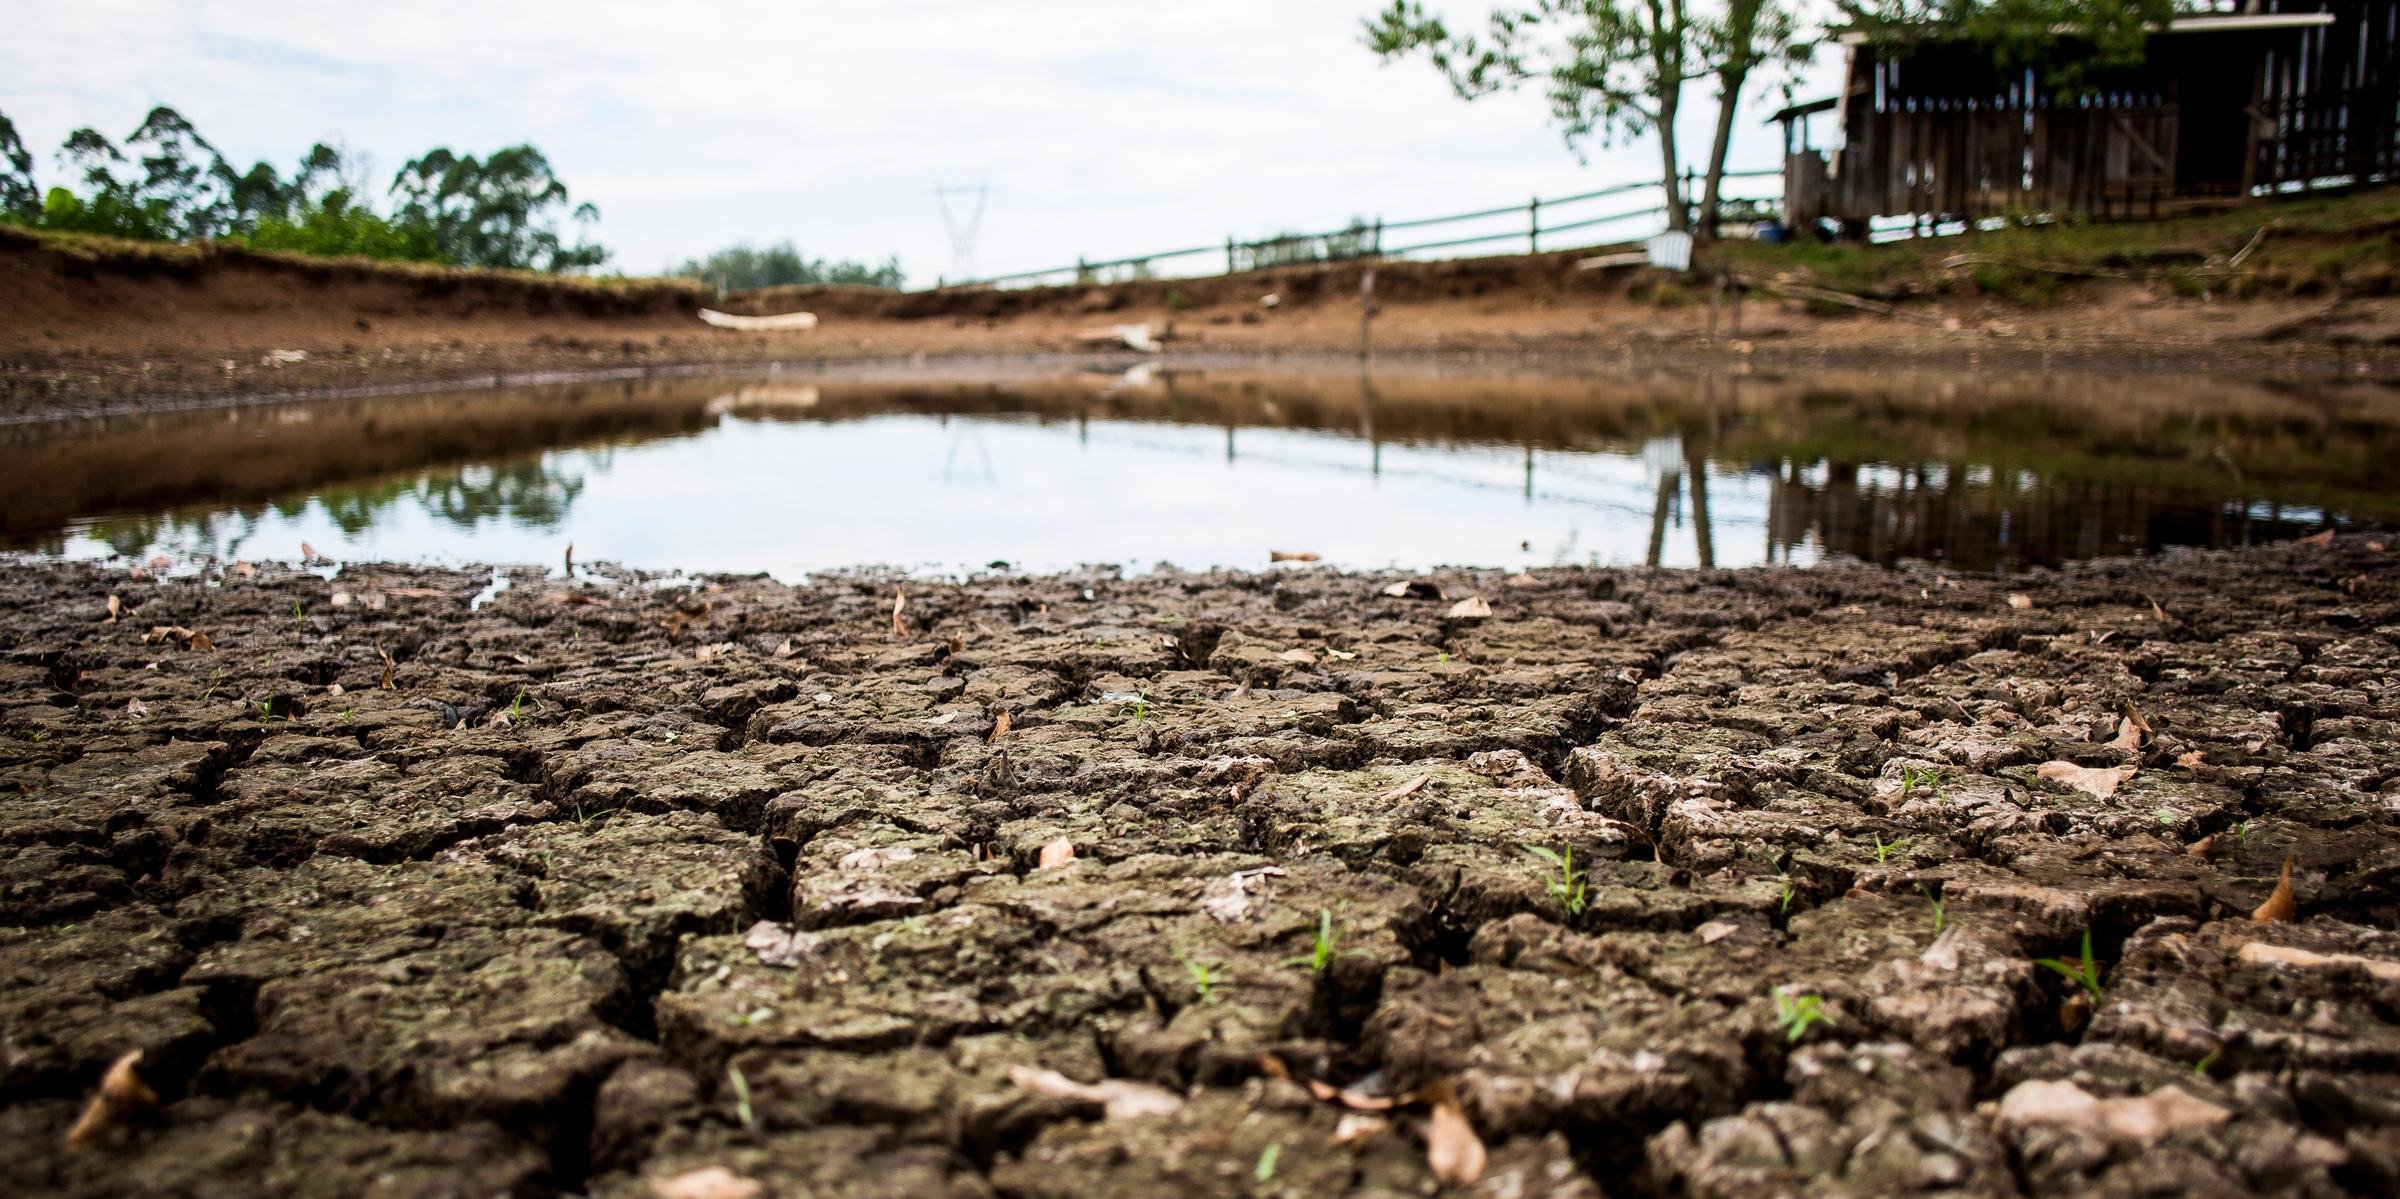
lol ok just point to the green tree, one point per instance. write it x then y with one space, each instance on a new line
500 211
783 265
182 177
1615 69
20 196
2067 40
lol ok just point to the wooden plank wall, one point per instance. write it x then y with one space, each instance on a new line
2330 106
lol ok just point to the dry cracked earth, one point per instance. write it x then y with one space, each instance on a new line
618 881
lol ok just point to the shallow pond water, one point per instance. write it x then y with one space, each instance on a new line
796 473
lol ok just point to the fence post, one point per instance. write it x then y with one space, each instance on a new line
1378 251
1228 253
1533 226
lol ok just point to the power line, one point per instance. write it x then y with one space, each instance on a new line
963 221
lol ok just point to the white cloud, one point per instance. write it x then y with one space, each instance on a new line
1104 128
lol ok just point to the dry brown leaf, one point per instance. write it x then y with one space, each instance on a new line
1424 589
1000 725
2131 729
388 667
899 605
1291 556
1521 579
1118 1099
116 608
2020 602
1300 656
2202 847
2280 907
2099 782
1471 608
573 599
1271 1066
201 644
2374 547
160 562
416 592
122 1093
242 570
1056 853
710 1182
1404 790
1357 1128
1452 1150
1356 1101
2324 538
1716 930
2191 759
2132 1119
308 553
783 649
136 708
570 559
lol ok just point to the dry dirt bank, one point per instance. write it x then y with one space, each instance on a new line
750 878
91 330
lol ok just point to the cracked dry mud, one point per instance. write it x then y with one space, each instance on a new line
746 831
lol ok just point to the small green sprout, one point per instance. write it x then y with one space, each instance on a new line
266 709
585 819
1441 657
296 616
2205 1064
1320 956
1884 849
1266 1163
1205 978
516 707
2166 816
1140 707
741 1098
2085 973
753 1016
1571 886
349 715
1798 1013
1785 906
670 736
1921 778
2241 832
1941 916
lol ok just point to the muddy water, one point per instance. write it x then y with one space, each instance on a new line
1219 468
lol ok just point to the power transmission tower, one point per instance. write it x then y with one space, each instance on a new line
964 220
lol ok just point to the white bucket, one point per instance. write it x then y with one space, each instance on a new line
1670 251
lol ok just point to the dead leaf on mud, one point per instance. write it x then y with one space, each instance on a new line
1357 1101
1292 556
2280 907
2259 953
2201 848
2141 1120
1240 897
2324 538
136 708
388 667
2131 729
1716 930
116 608
1452 1150
1357 1128
1471 608
2191 760
1299 656
1423 589
1118 1099
416 592
201 644
242 570
309 554
1000 725
122 1093
712 1182
2020 601
783 648
1055 854
574 599
1521 579
899 605
1404 790
2099 782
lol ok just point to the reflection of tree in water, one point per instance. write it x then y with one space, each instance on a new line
532 493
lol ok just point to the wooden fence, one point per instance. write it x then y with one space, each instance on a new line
1565 222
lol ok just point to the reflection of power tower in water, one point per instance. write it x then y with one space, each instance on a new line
962 215
979 469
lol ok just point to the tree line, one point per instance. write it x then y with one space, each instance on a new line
165 182
1618 69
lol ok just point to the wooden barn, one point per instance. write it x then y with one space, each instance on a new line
2287 95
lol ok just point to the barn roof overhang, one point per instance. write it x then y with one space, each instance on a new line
2213 23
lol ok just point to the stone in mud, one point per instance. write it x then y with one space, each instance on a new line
73 997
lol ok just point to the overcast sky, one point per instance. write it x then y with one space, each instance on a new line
1104 129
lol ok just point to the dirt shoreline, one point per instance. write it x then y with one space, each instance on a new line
751 878
87 334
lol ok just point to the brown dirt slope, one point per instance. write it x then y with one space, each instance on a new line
604 883
85 324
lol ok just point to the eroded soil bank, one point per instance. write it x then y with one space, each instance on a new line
616 881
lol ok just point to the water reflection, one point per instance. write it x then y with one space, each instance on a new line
1218 467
